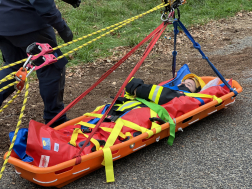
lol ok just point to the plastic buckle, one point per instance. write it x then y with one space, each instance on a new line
21 76
101 142
42 61
152 119
85 129
111 118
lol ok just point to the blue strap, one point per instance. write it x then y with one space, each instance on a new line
174 53
198 47
95 120
201 100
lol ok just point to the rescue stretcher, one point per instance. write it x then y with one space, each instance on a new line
56 176
66 172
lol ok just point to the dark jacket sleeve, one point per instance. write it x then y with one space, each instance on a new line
158 94
49 13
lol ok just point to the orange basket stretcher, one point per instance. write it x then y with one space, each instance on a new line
64 173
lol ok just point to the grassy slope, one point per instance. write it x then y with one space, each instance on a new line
93 15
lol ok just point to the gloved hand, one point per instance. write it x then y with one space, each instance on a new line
74 3
133 84
66 34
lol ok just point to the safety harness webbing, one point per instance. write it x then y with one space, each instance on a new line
114 133
164 115
75 136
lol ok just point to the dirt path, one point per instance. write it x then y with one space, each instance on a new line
227 43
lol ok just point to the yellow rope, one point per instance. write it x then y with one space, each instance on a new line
125 22
99 37
16 131
13 64
13 98
112 26
8 77
10 85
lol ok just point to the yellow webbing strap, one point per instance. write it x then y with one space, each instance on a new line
134 126
103 128
108 165
115 132
108 160
154 124
127 105
98 108
199 95
93 115
75 136
127 124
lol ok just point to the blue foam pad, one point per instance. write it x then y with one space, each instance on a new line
184 70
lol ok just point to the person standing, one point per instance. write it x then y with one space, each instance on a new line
22 23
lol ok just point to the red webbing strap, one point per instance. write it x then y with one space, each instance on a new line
147 51
104 76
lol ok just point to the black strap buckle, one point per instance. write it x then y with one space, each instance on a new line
111 118
152 119
85 129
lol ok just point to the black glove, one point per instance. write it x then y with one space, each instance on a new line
66 34
133 84
74 3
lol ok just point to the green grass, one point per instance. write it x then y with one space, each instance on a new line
93 15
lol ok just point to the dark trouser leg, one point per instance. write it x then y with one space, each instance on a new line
11 54
51 84
52 77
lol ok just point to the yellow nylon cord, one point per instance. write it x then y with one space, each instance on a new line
16 130
8 77
10 85
13 98
119 24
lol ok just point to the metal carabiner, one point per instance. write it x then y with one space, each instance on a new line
169 17
164 15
